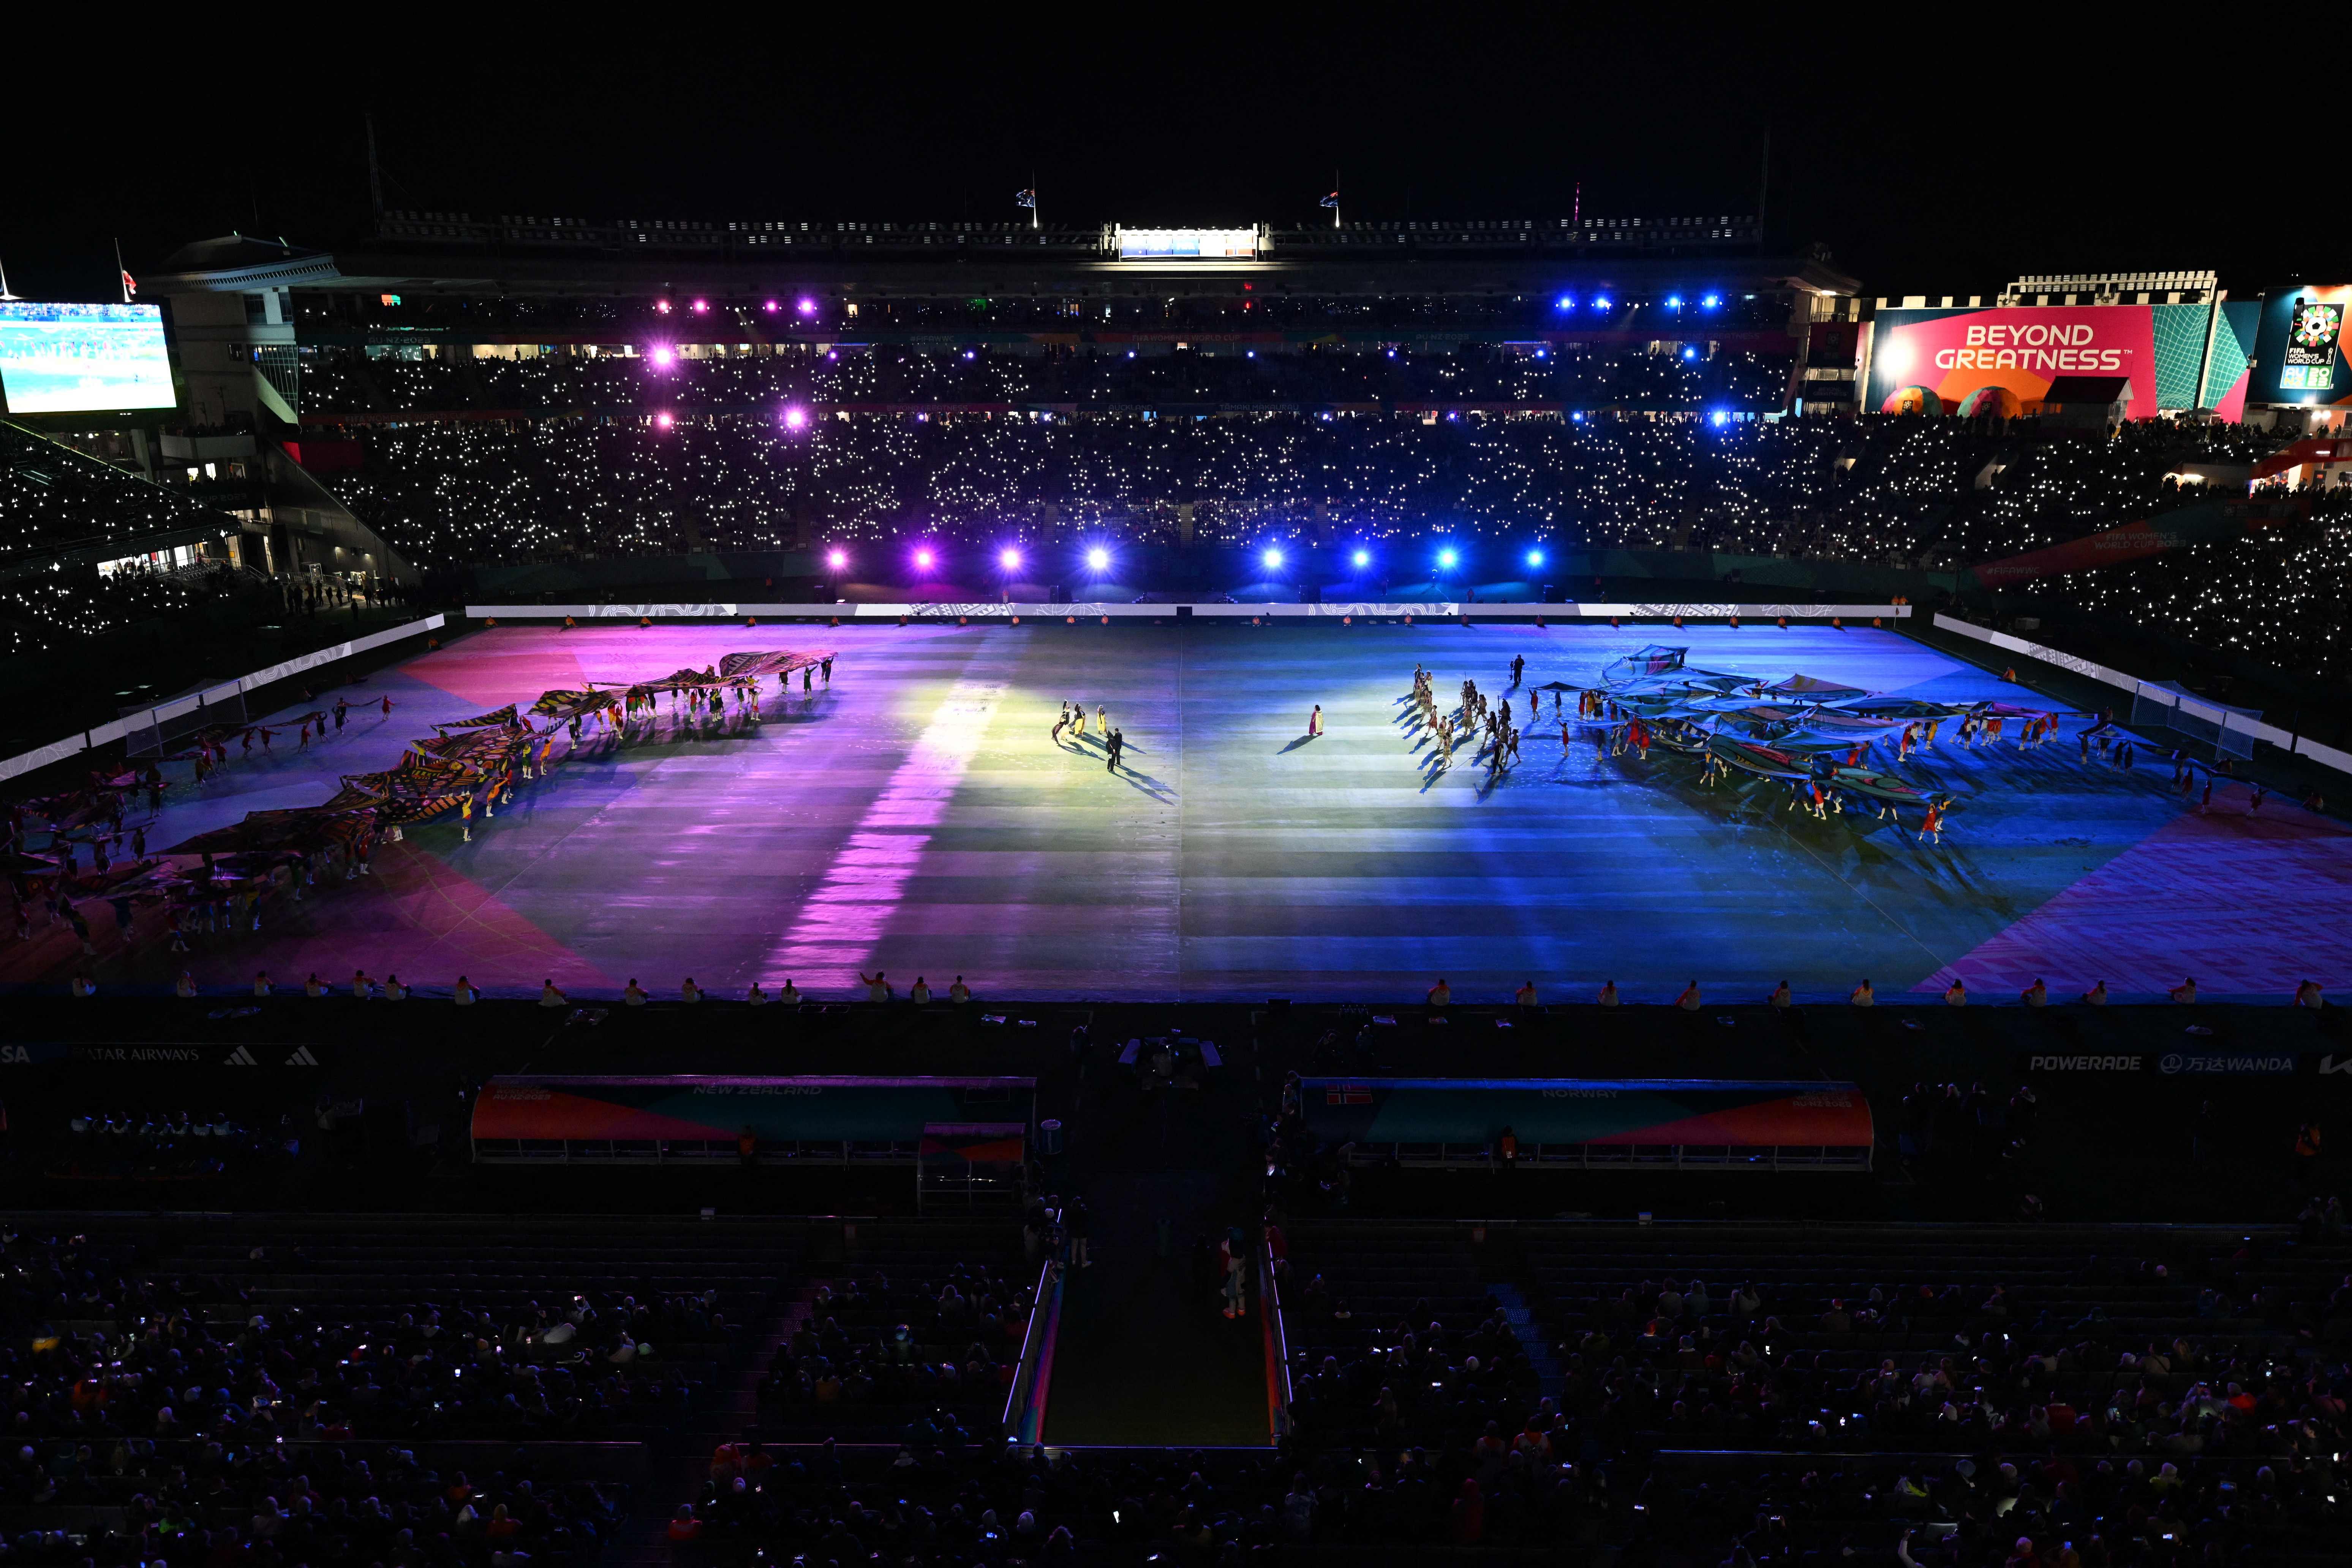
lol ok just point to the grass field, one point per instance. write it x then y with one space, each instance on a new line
918 818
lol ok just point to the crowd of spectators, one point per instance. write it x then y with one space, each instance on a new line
200 1428
53 498
1992 1399
2280 595
1112 380
927 1358
1914 492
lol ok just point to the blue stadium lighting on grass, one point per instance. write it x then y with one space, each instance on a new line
1712 302
1273 558
1098 559
1363 558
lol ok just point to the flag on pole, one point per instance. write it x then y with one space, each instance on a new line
1024 198
1330 201
130 287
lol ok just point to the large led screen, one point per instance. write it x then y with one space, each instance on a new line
73 359
2301 353
1187 244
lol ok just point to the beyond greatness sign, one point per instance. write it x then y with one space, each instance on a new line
2001 361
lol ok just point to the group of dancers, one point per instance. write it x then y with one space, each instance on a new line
1474 720
1074 721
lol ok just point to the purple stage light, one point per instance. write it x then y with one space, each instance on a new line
1008 558
664 420
663 358
808 307
795 418
836 559
771 307
923 559
661 307
702 307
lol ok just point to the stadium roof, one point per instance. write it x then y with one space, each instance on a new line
449 253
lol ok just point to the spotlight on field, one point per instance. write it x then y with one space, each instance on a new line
1565 302
771 307
1446 558
795 418
1673 301
664 420
923 559
836 559
1535 557
1689 351
807 306
1099 558
1363 558
1009 558
1711 302
1271 558
663 358
1601 301
702 307
1720 417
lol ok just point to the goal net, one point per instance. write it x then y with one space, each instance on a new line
2169 705
160 731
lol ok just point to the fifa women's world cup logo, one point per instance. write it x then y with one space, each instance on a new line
2311 338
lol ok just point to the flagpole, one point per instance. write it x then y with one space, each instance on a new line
1335 204
121 273
1033 198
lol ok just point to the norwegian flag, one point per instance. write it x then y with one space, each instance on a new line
1330 201
1347 1094
130 286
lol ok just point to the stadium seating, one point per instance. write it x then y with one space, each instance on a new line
1780 1390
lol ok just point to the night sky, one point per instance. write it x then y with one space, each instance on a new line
1928 165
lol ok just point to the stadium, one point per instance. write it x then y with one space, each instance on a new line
1361 890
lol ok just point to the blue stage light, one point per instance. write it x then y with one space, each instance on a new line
1446 558
1720 417
1363 558
1099 558
1273 558
1673 301
1535 557
1601 301
1565 302
1689 352
1711 301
